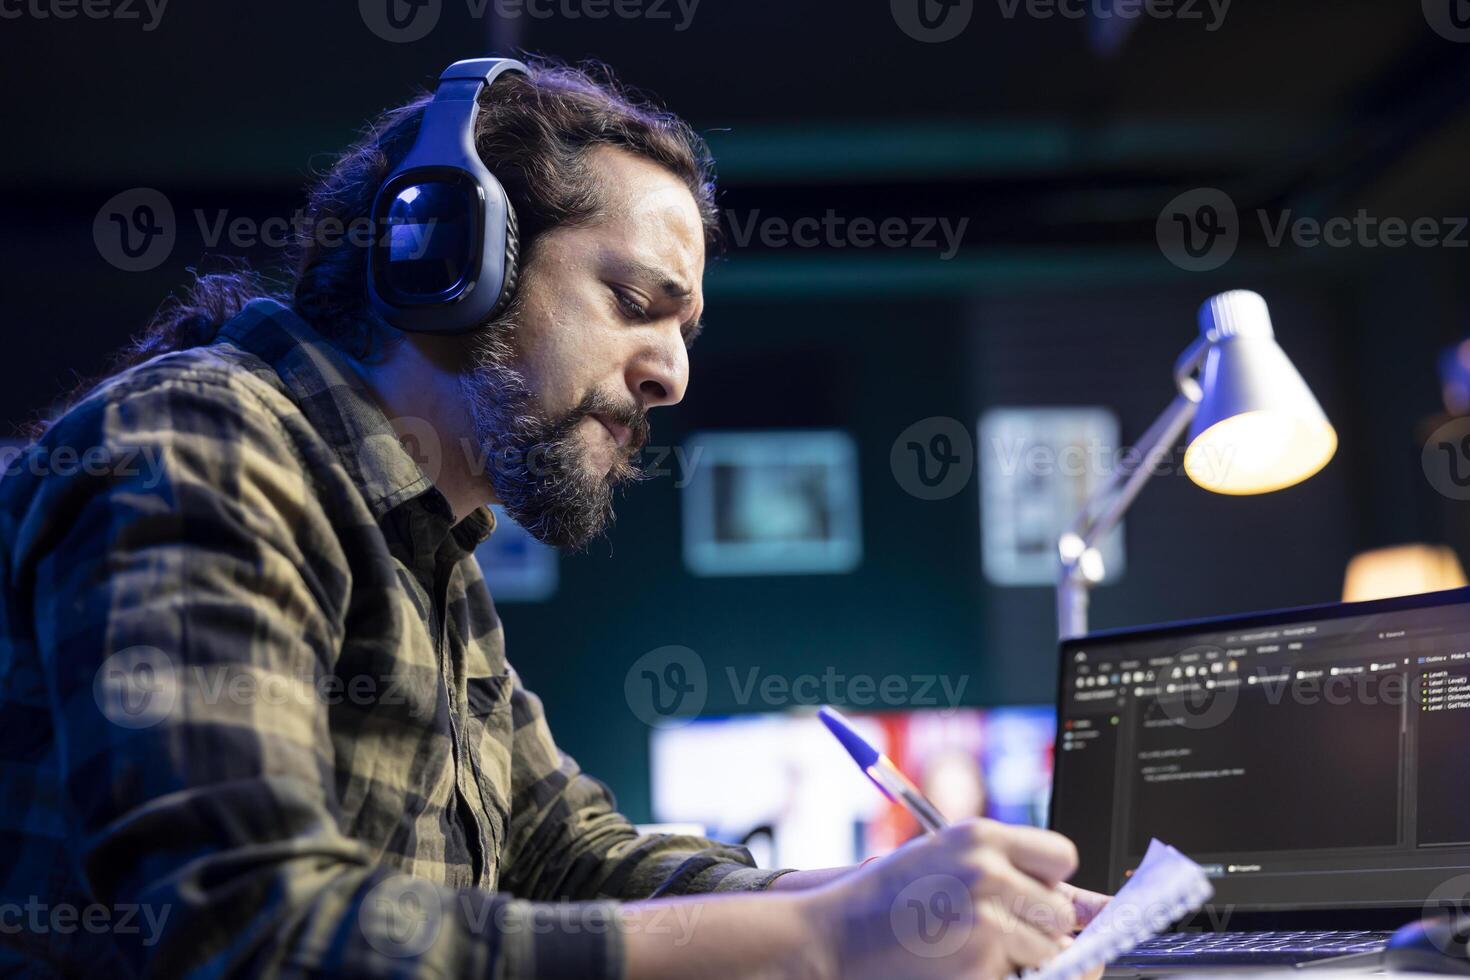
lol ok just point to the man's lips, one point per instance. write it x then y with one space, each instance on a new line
620 433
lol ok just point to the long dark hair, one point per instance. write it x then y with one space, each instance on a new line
534 133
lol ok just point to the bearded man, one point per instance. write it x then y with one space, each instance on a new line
257 714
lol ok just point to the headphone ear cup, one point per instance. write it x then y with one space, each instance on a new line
512 262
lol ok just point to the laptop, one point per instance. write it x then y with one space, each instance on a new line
1315 761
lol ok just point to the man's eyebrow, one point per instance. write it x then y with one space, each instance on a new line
669 286
661 280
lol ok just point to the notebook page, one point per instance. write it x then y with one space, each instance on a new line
1165 887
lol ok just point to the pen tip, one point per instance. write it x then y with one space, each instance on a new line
863 753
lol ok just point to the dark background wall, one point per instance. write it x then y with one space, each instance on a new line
1060 155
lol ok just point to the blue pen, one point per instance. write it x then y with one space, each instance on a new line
884 774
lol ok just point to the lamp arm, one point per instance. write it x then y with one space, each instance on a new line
1154 438
1171 425
1106 506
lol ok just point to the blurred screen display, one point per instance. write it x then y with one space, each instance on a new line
782 785
771 503
1038 467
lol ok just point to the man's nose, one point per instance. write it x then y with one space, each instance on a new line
659 375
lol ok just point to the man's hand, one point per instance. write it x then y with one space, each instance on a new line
1085 903
979 899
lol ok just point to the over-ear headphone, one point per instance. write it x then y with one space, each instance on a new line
444 258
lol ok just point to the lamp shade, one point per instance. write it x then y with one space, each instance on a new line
1257 428
1407 569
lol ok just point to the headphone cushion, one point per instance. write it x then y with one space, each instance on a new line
512 261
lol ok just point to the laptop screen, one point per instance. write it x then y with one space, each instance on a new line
1308 759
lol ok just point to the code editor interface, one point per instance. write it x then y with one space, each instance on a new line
1305 765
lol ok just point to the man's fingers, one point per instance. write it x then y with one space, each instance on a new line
1024 945
1085 904
1044 855
1027 899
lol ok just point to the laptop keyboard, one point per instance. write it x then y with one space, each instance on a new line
1231 948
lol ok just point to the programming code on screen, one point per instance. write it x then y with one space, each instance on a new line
1305 764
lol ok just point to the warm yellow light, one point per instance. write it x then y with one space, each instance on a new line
1257 452
1408 569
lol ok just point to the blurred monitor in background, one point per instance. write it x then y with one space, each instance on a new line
782 785
772 503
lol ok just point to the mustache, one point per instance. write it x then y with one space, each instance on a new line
634 417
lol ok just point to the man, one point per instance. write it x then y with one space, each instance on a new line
257 716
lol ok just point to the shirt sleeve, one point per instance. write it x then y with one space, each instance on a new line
185 618
567 841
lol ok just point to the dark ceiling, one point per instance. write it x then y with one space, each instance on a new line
1280 93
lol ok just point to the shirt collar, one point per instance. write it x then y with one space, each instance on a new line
321 381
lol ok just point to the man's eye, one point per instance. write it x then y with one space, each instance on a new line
631 308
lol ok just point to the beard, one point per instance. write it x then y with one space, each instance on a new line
538 464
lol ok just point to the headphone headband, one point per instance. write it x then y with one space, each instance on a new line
480 70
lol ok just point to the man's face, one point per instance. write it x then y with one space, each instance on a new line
606 310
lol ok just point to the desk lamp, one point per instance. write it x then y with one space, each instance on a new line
1253 423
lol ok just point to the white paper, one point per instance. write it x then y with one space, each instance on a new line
1165 887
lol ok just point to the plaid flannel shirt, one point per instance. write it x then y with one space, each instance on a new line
255 711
